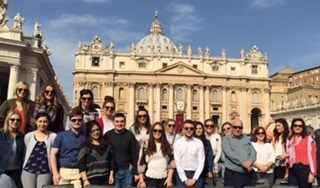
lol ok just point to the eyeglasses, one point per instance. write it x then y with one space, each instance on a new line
109 108
76 120
14 119
86 98
188 128
95 131
260 133
237 127
157 131
49 92
24 90
226 129
171 125
142 116
297 126
209 126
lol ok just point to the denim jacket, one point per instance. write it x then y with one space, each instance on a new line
5 147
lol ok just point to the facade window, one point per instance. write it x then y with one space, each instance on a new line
142 65
215 108
194 108
95 91
233 96
215 68
141 94
179 94
122 64
121 94
255 97
164 107
215 96
254 69
164 95
164 65
195 66
233 70
95 61
195 95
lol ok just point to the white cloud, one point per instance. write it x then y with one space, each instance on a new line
184 21
267 3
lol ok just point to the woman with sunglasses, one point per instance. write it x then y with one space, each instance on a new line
141 127
156 157
171 134
20 103
36 169
11 150
208 165
263 166
106 121
301 152
96 157
226 129
86 106
48 101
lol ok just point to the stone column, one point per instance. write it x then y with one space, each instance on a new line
201 104
110 89
224 105
244 109
189 102
158 102
207 102
31 79
13 79
150 102
131 112
171 103
266 102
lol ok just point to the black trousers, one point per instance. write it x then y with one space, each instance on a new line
158 183
236 179
298 175
279 172
15 176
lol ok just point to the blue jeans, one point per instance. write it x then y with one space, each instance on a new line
298 175
123 178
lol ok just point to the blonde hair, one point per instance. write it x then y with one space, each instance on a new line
20 83
6 122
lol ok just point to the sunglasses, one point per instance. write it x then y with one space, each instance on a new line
237 127
76 120
188 128
226 129
109 108
260 133
95 131
14 119
171 125
209 126
86 98
142 116
49 92
157 131
297 126
24 90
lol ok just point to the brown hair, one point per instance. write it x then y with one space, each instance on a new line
41 99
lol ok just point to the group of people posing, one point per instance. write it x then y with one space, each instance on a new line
35 150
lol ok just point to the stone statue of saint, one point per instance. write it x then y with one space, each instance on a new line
224 53
133 47
189 50
181 48
36 31
80 45
243 54
111 46
3 11
207 54
199 51
18 22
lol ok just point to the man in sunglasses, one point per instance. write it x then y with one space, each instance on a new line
239 157
189 157
67 144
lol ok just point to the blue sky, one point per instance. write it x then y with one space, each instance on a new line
287 30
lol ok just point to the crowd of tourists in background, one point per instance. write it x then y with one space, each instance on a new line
36 150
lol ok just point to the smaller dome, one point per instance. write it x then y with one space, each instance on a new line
156 42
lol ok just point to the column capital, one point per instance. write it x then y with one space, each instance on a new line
109 84
157 85
150 85
131 84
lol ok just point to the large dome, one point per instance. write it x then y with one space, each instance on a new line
156 42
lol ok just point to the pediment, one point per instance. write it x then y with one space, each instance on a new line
182 69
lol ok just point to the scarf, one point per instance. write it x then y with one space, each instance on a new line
51 110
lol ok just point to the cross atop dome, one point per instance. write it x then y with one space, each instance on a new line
156 27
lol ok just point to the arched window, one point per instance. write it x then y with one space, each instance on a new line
233 96
164 95
215 96
195 95
95 91
179 94
121 94
255 97
141 94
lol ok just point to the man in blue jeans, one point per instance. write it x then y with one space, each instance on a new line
126 149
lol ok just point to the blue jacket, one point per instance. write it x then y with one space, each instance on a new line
4 150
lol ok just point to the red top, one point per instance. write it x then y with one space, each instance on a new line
301 151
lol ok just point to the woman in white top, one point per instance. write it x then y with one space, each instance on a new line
156 157
171 134
263 166
215 140
141 127
106 121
